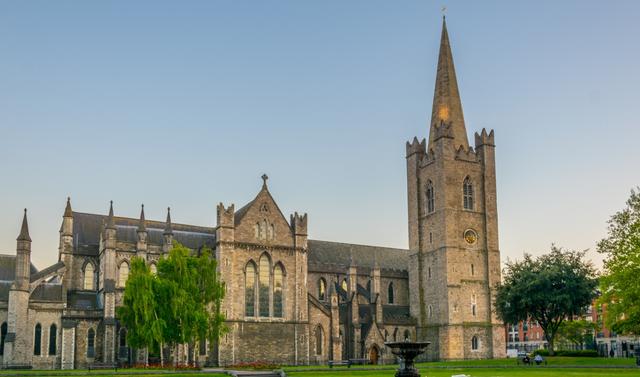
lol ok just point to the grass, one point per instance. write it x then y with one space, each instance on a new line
502 372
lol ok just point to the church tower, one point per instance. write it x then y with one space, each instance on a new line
453 229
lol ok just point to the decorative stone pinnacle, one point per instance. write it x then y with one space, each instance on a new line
24 230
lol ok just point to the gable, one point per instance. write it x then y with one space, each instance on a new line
262 222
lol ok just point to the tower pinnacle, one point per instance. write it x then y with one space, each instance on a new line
447 106
142 225
24 231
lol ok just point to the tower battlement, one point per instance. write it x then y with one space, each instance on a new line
484 138
466 154
225 216
416 146
299 223
443 130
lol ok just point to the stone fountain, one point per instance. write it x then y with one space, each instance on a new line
407 351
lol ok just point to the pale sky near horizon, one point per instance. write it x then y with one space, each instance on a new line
187 104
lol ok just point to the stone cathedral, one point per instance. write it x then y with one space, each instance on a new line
289 299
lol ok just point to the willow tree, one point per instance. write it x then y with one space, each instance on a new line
548 289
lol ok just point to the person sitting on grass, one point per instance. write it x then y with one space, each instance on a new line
526 360
538 359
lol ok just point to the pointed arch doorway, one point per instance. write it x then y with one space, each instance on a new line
374 354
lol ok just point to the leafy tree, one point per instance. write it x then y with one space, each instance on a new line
140 309
187 293
577 332
620 285
549 289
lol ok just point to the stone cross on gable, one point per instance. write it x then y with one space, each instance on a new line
264 179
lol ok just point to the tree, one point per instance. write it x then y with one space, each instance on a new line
140 309
186 293
619 284
549 289
577 332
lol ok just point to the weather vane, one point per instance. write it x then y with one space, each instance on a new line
444 10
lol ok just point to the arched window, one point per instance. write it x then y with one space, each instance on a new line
89 277
430 197
322 289
53 338
343 285
391 297
3 335
467 194
37 340
430 311
395 334
474 343
429 272
257 230
123 274
473 271
250 290
123 337
473 305
386 335
273 231
263 285
153 268
319 340
369 286
407 335
91 342
278 275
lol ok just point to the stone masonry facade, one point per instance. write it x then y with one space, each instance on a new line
289 299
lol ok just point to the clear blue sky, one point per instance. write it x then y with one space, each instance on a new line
186 104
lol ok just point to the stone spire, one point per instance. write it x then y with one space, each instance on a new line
67 210
111 223
142 225
24 231
168 230
447 106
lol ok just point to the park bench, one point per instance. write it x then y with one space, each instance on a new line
98 366
339 363
359 361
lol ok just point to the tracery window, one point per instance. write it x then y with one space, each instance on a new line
322 289
37 340
391 294
123 274
263 285
343 285
319 340
53 337
250 290
91 341
89 277
277 291
467 194
430 197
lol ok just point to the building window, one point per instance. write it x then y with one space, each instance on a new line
473 272
430 311
91 341
123 274
278 275
319 340
395 334
473 305
203 347
344 285
391 293
89 277
37 340
386 335
53 337
123 338
430 197
250 290
467 194
407 335
3 335
322 289
429 272
263 285
474 343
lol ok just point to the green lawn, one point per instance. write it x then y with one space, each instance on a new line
511 372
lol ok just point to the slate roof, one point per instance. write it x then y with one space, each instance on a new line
327 254
87 228
397 315
82 300
8 267
47 292
46 271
